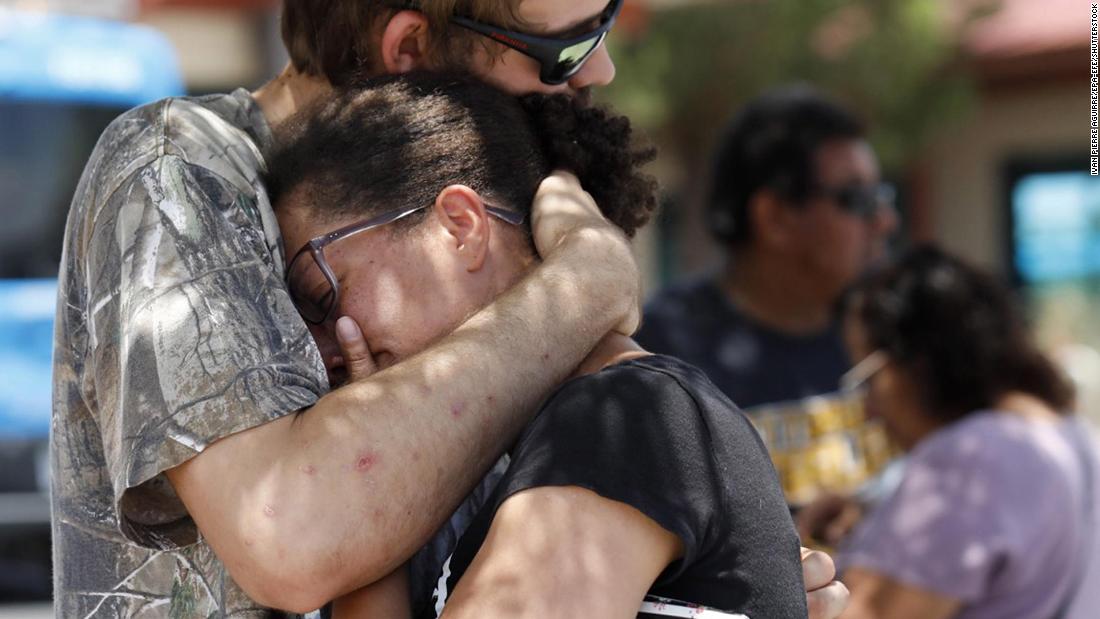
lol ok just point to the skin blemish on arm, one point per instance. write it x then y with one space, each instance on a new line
457 409
308 469
269 511
365 462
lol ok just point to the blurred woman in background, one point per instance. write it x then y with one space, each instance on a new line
995 515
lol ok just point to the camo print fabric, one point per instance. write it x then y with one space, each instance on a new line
173 330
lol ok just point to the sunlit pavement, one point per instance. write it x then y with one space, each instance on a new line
26 611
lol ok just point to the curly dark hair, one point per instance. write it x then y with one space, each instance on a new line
396 141
957 331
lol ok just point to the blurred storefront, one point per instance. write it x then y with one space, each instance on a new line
224 44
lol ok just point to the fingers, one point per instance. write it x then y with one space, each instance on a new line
561 206
818 569
828 602
825 597
358 359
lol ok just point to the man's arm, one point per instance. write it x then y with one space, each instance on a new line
563 552
307 507
826 598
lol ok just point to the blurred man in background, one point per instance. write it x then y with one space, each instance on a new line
797 202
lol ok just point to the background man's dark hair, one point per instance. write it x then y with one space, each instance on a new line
771 144
396 141
958 331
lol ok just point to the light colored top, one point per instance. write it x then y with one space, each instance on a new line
992 512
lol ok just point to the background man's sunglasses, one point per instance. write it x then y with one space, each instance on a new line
861 200
559 59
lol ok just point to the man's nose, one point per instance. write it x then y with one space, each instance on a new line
885 220
598 71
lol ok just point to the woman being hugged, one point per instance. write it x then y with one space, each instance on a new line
409 198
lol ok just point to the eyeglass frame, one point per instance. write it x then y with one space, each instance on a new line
316 248
546 50
865 370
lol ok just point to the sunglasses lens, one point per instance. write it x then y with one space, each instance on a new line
865 201
571 59
857 201
310 289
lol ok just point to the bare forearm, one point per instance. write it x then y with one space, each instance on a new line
349 489
592 557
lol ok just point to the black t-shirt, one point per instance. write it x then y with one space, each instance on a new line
655 434
751 363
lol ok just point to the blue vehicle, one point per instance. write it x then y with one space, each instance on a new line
62 80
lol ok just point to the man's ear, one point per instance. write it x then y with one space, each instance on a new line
405 43
771 219
461 212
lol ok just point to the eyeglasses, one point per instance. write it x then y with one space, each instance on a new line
310 280
861 200
863 371
559 59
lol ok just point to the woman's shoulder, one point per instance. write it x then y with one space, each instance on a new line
639 389
660 383
996 443
654 404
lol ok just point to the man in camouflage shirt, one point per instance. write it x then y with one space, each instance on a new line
179 358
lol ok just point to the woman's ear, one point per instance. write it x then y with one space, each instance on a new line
405 43
461 212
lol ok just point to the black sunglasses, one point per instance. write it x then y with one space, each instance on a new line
861 200
559 59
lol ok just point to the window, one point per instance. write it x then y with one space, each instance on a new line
1054 232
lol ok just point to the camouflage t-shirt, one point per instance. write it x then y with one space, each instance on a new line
173 330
